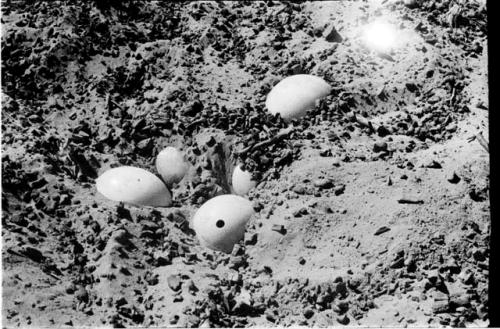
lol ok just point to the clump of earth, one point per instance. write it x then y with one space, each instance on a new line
373 209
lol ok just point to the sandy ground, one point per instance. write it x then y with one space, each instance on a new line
374 211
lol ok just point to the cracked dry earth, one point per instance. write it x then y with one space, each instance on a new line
372 211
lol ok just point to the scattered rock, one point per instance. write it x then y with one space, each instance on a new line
412 87
237 262
324 183
380 147
251 240
174 319
381 230
411 3
279 228
270 317
339 189
340 307
70 288
195 108
174 282
398 263
382 131
308 313
33 254
434 165
467 277
299 189
478 195
440 306
355 282
458 295
331 34
343 319
300 212
38 184
81 294
453 178
479 254
191 286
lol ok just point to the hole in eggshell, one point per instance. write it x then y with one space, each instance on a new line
220 223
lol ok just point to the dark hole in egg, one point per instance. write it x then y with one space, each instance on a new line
220 223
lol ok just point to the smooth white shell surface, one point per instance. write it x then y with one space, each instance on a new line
220 222
294 95
133 185
171 165
242 181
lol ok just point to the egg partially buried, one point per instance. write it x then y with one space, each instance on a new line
242 181
220 222
171 165
133 185
294 95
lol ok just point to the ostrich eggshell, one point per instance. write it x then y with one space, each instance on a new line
294 95
171 165
133 185
242 181
220 222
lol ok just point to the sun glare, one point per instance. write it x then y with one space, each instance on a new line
379 36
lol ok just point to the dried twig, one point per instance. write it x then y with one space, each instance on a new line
116 104
110 101
268 141
410 201
482 141
13 121
111 105
452 96
364 122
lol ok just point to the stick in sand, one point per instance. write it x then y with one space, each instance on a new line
268 141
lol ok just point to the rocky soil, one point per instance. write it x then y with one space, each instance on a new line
372 210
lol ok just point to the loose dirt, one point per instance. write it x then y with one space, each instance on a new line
373 210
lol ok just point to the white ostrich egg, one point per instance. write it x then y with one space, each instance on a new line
171 165
133 185
294 95
242 181
220 222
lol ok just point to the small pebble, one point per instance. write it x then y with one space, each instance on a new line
380 147
174 282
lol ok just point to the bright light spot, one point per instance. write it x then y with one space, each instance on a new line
379 36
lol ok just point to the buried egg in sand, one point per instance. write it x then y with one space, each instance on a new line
171 165
133 185
294 95
242 181
220 222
